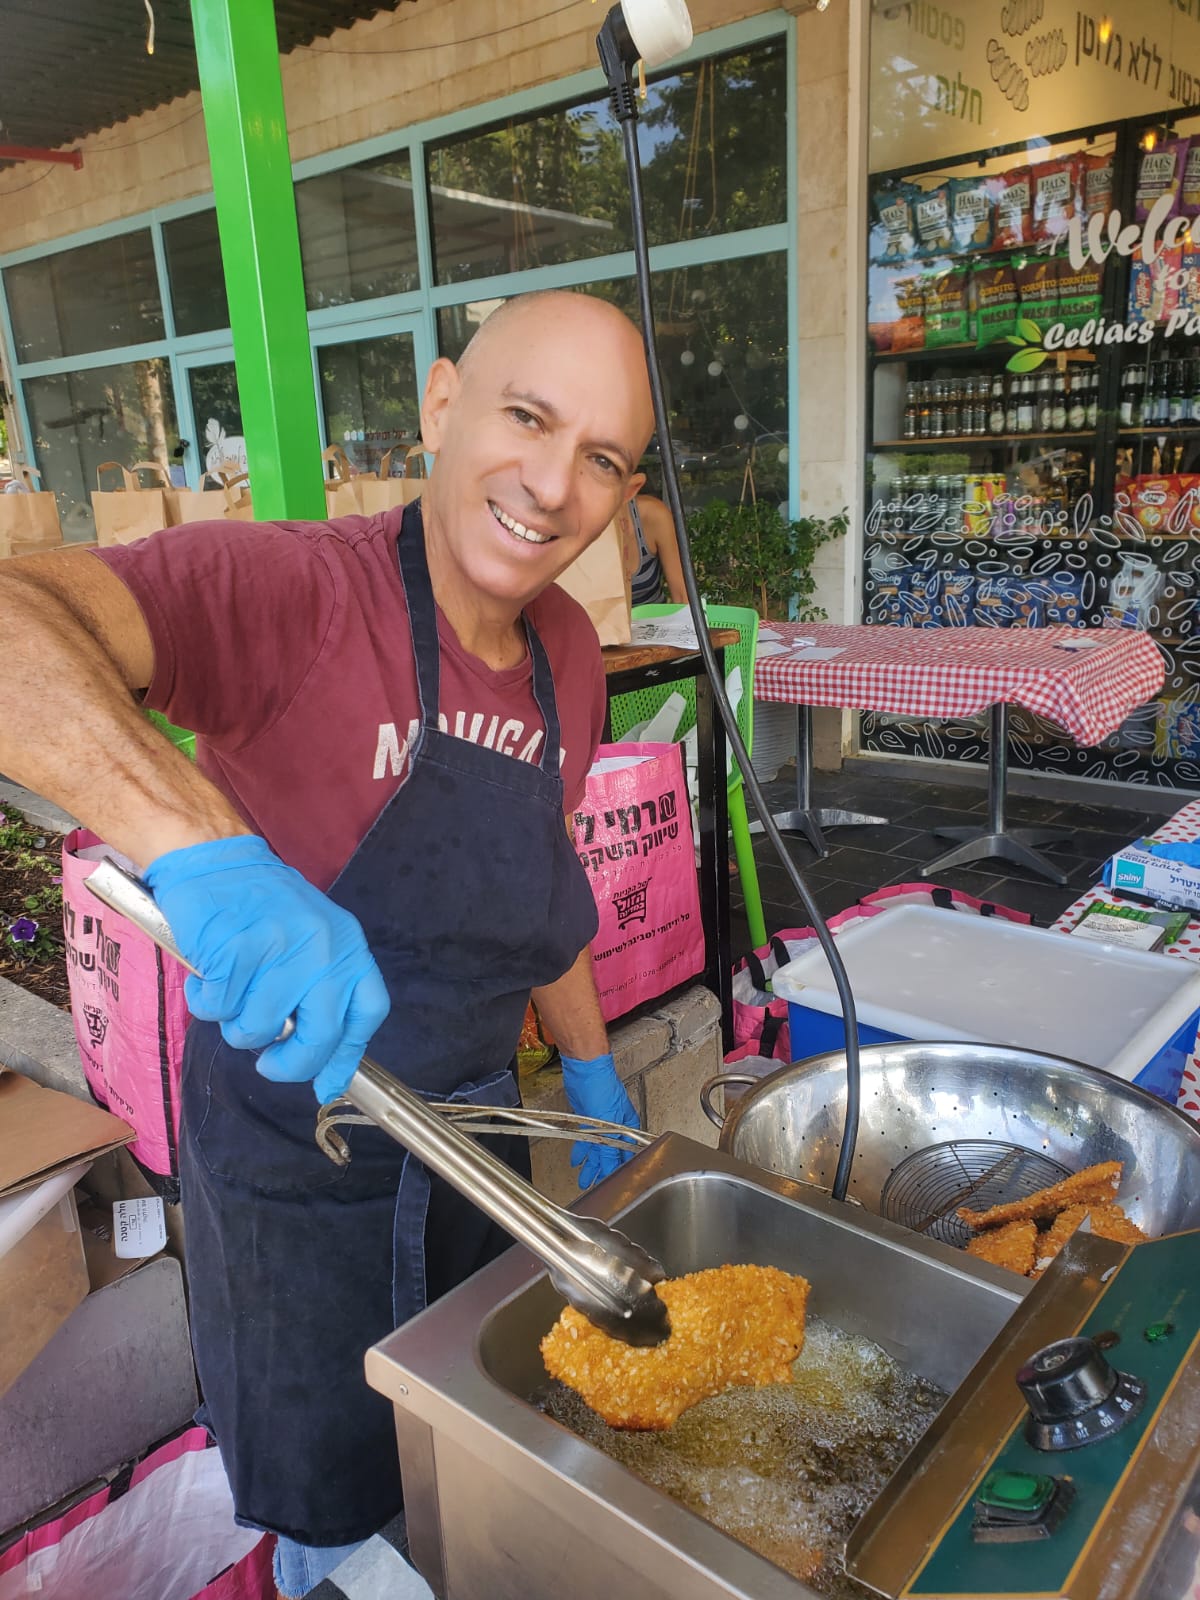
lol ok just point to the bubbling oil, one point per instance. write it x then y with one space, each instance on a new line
787 1469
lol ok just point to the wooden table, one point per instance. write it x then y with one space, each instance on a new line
630 667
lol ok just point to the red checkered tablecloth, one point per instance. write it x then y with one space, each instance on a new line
1183 826
944 673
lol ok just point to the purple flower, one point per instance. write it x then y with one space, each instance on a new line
56 880
23 930
3 819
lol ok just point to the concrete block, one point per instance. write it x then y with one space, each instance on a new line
672 1090
691 1016
38 1041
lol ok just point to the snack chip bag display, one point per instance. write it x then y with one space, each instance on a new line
1057 198
997 306
1160 172
1097 185
893 227
948 318
931 211
1154 285
1153 501
1189 188
1013 223
1078 291
1038 290
972 214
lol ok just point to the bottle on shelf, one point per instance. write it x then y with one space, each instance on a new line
1058 410
1026 405
1092 417
1012 406
1044 416
981 408
911 411
1132 382
925 411
1178 400
937 409
1077 402
1155 404
952 409
996 412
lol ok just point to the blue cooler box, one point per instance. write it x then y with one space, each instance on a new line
920 972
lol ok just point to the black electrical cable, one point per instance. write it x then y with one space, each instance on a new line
614 45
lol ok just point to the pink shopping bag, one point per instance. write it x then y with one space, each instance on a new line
162 1530
130 1016
634 837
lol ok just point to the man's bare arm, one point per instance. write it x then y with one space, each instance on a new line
76 651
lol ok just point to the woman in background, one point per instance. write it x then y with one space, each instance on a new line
651 552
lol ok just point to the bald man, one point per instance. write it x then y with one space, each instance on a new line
393 716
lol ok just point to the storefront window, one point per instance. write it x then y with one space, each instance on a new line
196 273
551 188
722 335
369 397
95 297
124 413
1033 311
357 232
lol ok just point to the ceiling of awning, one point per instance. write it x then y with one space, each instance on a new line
72 67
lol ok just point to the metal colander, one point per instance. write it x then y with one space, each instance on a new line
944 1125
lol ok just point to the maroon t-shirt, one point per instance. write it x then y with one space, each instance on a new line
285 647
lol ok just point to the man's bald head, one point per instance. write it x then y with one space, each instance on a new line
581 316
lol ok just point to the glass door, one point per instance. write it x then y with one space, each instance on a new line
213 439
369 382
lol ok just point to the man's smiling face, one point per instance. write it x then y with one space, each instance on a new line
537 435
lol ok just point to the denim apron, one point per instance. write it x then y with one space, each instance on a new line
470 893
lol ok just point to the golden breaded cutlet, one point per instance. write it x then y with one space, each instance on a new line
1110 1222
729 1326
1052 1241
1011 1246
1094 1185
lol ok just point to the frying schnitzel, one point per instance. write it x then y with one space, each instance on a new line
1011 1246
729 1326
1094 1185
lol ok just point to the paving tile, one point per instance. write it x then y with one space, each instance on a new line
925 816
1043 901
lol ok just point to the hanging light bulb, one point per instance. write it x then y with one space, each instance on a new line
741 422
715 369
688 358
150 32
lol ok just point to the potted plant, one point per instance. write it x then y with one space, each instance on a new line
753 555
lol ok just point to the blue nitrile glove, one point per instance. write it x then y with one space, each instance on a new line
594 1090
270 946
1188 854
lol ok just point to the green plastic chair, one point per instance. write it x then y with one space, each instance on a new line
627 710
179 737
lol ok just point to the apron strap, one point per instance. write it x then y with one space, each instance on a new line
427 654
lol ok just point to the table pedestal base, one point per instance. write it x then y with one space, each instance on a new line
806 818
996 840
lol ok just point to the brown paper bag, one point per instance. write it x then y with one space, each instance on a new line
342 497
218 499
28 519
599 581
133 511
385 491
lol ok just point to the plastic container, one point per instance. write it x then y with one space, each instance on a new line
923 973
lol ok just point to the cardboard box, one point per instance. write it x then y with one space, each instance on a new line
114 1379
47 1143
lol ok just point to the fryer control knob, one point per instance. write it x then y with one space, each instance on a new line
1074 1396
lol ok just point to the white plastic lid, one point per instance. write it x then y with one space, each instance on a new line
926 973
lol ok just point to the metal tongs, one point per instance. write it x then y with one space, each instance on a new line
596 1269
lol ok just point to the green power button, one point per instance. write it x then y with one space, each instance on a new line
1025 1492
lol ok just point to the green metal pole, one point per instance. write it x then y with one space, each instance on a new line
238 53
